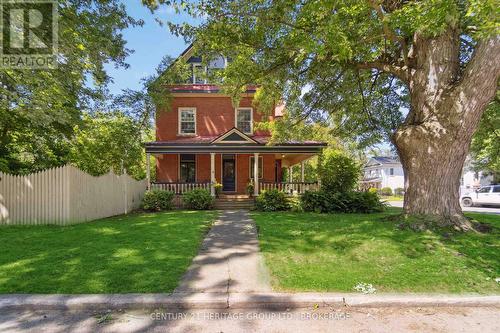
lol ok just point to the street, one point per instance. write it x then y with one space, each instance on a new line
324 319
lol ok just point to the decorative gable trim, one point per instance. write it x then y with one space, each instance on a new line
372 163
234 135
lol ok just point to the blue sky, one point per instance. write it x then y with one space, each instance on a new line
150 43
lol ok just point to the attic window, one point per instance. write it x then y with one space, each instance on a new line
198 74
244 120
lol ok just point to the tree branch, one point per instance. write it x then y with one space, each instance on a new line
398 71
389 33
478 84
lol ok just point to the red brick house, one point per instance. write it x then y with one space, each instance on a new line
203 139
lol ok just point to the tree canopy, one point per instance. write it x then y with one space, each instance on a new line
40 108
485 146
109 141
345 61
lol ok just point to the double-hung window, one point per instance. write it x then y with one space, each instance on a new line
187 121
199 73
261 165
244 120
187 168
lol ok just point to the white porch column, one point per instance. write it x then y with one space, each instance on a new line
212 174
255 174
148 171
290 176
302 171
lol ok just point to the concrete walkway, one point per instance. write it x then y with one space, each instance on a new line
229 260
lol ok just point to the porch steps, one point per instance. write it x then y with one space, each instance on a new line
225 203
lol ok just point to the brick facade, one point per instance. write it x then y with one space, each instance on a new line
215 115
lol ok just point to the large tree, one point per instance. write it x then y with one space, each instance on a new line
109 141
362 64
39 108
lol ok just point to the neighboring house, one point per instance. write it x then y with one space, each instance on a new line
472 180
383 171
203 139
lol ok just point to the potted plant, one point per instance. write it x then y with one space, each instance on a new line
218 189
250 188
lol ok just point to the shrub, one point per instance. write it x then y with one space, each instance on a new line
372 190
272 200
156 200
295 204
199 199
349 202
387 191
363 202
338 172
399 191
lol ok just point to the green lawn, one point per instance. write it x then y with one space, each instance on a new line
392 197
321 252
145 252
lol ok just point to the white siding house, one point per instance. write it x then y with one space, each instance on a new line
472 180
381 171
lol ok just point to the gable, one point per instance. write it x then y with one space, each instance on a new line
234 135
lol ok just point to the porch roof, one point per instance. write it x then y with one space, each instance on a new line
200 144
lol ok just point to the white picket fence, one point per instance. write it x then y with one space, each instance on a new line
66 195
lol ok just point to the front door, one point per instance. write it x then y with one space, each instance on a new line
228 174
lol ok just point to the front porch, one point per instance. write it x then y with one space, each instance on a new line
235 176
234 162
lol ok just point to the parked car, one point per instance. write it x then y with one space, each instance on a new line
486 195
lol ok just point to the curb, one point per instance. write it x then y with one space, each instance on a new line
186 301
304 300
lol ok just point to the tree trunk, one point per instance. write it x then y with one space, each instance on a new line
445 110
433 166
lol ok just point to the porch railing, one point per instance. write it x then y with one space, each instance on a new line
291 187
180 188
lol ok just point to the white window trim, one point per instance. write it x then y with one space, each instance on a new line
204 68
261 160
236 120
179 111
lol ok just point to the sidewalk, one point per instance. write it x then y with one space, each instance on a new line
229 259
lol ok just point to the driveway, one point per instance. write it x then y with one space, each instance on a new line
488 210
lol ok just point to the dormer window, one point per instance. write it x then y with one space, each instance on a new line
244 117
187 121
199 72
